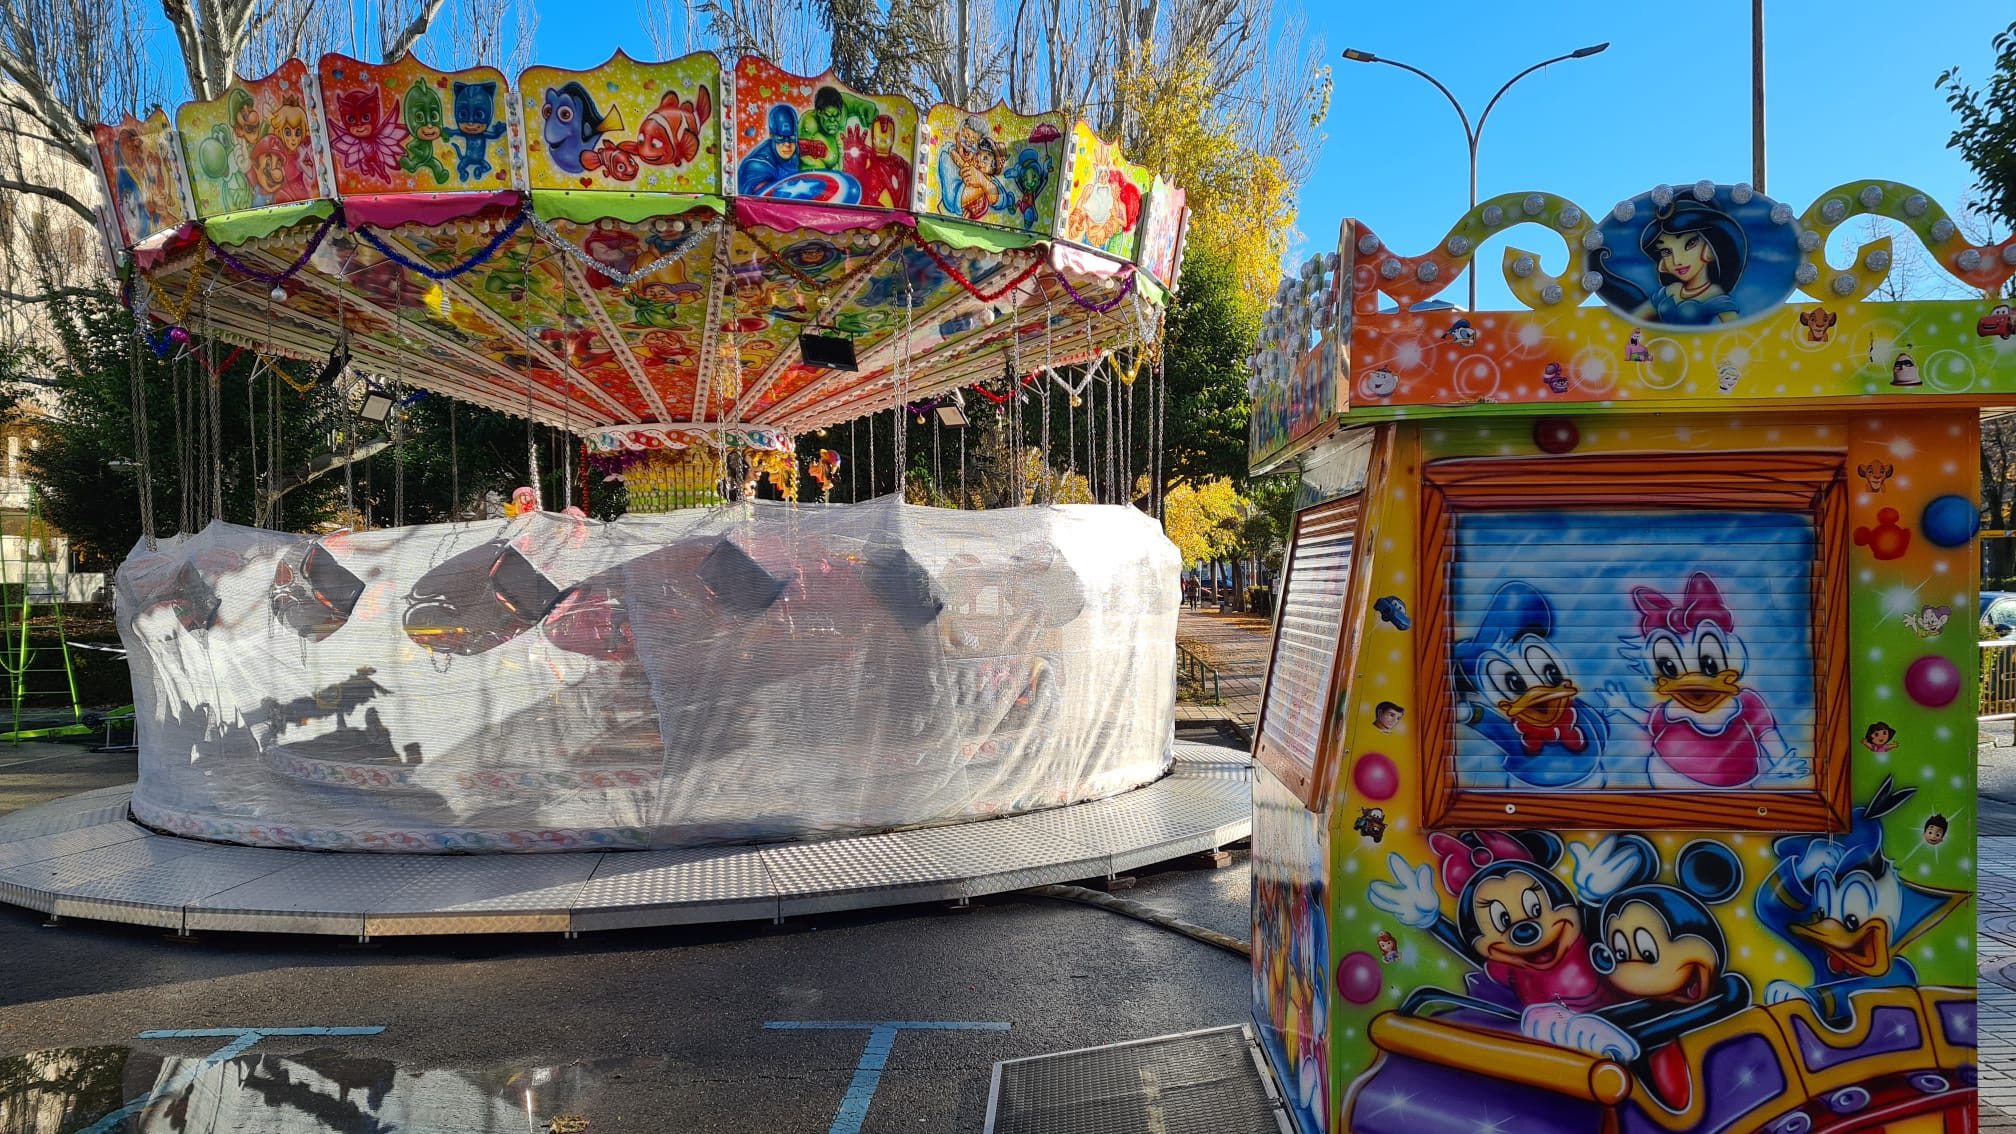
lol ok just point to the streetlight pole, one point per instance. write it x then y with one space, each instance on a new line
1470 133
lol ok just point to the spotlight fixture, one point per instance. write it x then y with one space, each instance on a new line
377 404
949 414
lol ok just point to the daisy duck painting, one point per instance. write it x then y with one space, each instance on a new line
1708 727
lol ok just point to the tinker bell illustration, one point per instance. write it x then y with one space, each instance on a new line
1698 252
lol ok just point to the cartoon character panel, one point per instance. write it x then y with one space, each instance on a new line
1633 649
404 127
1562 978
819 141
1689 259
1104 199
143 174
256 144
992 166
1291 948
1162 232
625 125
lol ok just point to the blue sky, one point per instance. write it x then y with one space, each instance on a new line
1848 89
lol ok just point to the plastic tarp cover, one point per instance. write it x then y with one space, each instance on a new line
762 671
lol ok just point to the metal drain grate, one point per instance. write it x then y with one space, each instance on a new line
1208 1082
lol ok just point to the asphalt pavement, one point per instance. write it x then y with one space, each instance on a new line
651 1030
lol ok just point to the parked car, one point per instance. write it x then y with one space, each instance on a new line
2000 321
1998 614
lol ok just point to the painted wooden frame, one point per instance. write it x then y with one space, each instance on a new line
1808 482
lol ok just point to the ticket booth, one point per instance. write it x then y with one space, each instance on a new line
1616 760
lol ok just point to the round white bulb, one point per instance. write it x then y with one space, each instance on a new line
1493 216
1877 260
1593 239
1662 195
1843 284
1551 293
1592 281
1915 205
1534 204
1458 246
1808 240
1970 260
1741 192
1368 244
1523 266
2009 253
1569 217
1833 209
1806 274
1426 271
1390 269
1704 190
1781 213
1871 196
1943 229
1624 211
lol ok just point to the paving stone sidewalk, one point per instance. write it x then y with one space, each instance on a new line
1235 645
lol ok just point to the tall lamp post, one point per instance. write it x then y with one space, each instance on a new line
1471 134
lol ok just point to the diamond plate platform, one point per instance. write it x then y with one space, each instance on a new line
83 857
1207 1082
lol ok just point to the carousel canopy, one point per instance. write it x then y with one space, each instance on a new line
640 251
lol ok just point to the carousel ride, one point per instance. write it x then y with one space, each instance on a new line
686 266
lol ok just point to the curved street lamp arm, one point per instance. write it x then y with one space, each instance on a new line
1514 79
1469 135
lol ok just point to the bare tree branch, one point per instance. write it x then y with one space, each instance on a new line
54 194
51 294
404 42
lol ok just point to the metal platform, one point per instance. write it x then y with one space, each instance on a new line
1209 1082
83 857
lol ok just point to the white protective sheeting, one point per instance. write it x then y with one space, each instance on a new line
756 672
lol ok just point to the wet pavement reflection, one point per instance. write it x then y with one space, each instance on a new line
82 1090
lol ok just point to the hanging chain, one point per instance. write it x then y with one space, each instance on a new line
454 467
902 402
143 469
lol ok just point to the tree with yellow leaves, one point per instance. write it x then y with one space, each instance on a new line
1203 520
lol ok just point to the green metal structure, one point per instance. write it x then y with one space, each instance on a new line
33 654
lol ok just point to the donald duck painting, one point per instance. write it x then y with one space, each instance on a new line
1839 901
1518 694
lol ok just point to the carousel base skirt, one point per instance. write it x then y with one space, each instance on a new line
84 857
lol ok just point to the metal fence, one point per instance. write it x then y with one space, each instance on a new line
1195 674
1998 679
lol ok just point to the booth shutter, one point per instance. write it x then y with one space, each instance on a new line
1307 635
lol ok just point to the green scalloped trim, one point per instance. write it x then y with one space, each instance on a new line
964 236
589 206
252 224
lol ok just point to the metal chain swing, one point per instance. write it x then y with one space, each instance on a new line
143 466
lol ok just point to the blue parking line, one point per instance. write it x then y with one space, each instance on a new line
868 1072
242 1039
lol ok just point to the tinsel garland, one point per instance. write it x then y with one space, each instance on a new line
958 277
285 274
476 259
554 237
1126 289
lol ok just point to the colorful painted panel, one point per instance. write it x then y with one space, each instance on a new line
1578 977
1162 232
1708 256
1291 949
143 174
991 166
258 144
819 141
644 127
1105 196
1711 295
404 127
1633 649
